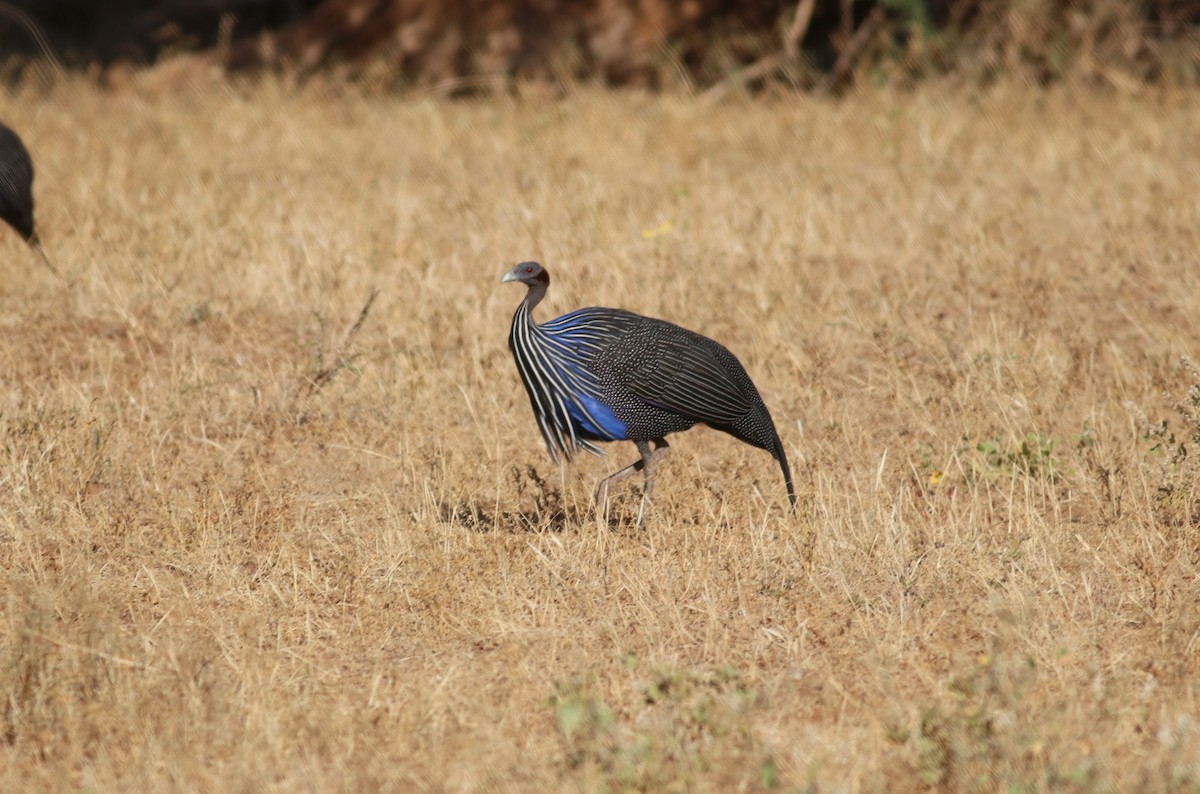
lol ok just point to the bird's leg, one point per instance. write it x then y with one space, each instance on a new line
651 461
650 458
608 482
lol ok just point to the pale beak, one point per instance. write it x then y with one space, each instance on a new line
510 276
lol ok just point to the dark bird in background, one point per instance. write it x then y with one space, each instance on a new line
610 375
16 190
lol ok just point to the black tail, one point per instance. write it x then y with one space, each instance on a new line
787 472
757 429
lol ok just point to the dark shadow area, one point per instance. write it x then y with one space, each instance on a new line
82 32
478 46
547 513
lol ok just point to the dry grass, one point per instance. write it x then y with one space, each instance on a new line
217 577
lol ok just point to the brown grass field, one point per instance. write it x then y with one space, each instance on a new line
966 312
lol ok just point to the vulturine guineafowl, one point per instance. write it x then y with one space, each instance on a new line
16 191
610 375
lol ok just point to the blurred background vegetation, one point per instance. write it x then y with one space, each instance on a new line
470 45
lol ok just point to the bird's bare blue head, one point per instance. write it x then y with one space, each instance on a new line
529 273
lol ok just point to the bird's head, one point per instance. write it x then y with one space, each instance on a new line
528 273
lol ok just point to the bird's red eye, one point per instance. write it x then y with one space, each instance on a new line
528 270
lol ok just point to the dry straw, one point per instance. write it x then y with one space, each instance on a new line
947 300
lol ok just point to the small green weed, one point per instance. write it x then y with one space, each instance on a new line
586 724
976 737
989 458
687 725
200 313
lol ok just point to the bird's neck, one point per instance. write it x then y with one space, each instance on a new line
522 321
533 297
